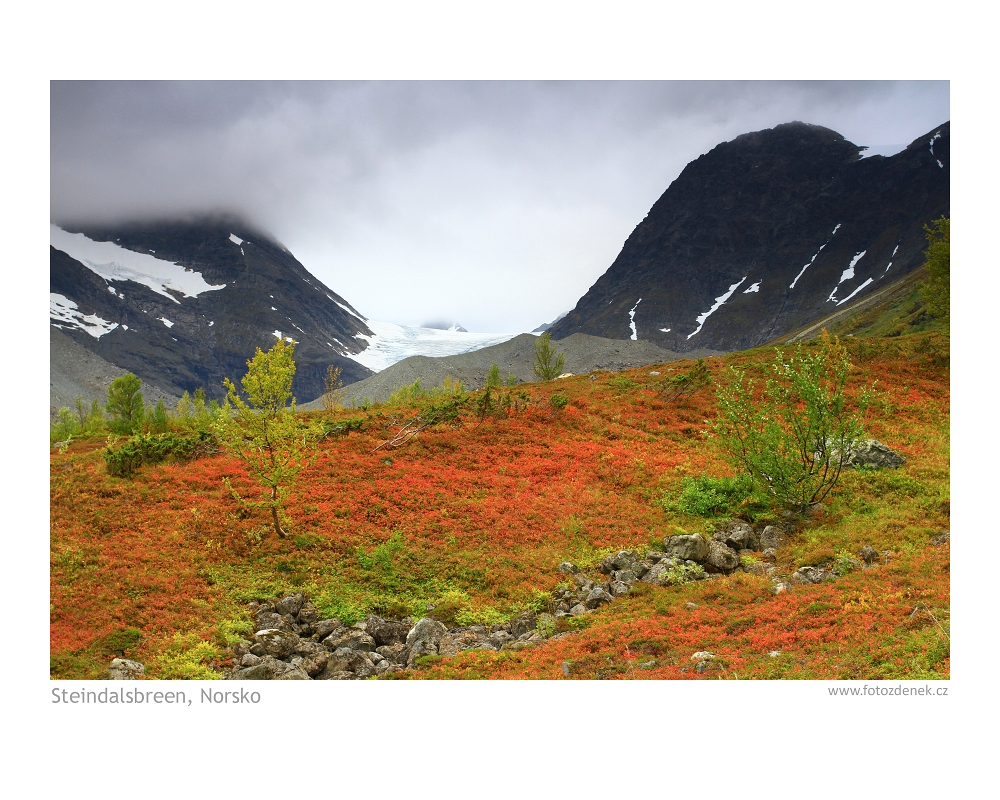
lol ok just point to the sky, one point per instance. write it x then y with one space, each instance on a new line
494 205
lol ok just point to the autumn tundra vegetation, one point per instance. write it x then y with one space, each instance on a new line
459 505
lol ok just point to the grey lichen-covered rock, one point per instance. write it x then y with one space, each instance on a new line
809 575
452 644
654 556
268 669
583 583
294 674
772 538
868 554
290 605
568 568
689 547
351 638
659 574
721 558
271 620
624 559
598 597
394 653
325 627
308 615
522 624
738 535
125 669
385 631
577 610
421 647
624 576
426 630
872 453
619 588
277 643
250 660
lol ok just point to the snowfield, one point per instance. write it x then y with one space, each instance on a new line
114 263
392 343
66 313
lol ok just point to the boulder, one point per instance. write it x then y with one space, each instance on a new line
770 555
268 669
868 554
277 643
271 620
315 664
421 647
290 605
624 559
654 556
872 453
624 576
658 574
568 568
583 583
426 630
385 631
523 623
690 547
598 597
772 538
394 653
739 535
250 660
702 655
308 615
294 674
807 575
452 644
325 627
498 639
345 659
577 610
721 558
619 588
350 638
125 669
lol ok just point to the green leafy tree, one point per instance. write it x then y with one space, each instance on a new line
264 432
936 290
548 363
791 435
125 403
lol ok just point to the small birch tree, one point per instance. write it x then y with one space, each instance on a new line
264 433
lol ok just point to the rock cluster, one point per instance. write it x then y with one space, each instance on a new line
291 642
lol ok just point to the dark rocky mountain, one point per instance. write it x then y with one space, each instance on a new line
765 234
185 304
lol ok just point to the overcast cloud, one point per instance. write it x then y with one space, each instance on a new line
496 205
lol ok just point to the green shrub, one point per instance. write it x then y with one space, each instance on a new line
788 436
709 497
124 458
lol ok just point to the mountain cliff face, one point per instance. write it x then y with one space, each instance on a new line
184 305
764 234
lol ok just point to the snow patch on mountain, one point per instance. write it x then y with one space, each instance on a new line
847 274
862 286
631 317
235 239
753 288
115 263
719 302
68 313
392 343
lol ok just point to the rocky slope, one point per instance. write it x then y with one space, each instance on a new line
765 234
185 304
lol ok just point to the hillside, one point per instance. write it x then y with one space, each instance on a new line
515 357
765 234
469 523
